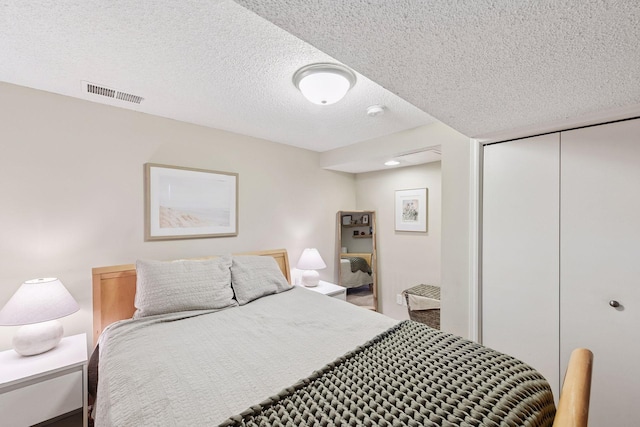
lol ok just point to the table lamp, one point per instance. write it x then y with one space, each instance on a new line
36 304
310 261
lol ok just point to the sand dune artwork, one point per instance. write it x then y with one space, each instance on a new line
187 203
180 218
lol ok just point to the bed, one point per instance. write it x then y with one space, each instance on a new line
280 359
355 270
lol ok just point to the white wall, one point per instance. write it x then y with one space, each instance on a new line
454 267
455 291
371 154
72 192
405 259
356 245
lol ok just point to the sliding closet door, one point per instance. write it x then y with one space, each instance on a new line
520 267
600 264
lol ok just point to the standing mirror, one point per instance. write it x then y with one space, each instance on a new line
356 247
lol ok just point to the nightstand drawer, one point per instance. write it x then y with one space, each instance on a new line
43 400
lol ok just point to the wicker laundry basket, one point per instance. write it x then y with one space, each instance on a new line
431 316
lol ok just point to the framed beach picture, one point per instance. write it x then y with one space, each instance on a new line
186 203
411 210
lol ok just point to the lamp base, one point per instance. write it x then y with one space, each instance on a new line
37 338
310 278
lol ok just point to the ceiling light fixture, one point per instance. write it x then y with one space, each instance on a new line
323 83
392 163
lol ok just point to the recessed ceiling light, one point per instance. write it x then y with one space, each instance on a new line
392 163
324 84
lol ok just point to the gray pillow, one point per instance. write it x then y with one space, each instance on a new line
254 276
183 285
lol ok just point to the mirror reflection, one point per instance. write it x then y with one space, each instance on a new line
357 257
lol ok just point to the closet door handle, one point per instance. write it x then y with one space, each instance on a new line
613 303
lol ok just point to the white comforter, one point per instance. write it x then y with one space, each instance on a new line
186 369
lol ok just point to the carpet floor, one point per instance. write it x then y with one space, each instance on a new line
360 296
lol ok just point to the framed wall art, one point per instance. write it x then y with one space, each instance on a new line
411 210
186 203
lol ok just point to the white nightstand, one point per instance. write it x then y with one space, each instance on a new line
330 289
37 388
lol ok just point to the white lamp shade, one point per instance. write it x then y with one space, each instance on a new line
311 260
38 300
324 84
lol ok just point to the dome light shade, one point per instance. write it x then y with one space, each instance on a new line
324 84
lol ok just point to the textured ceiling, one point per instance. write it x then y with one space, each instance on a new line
482 66
212 63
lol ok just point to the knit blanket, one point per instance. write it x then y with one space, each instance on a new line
412 375
358 263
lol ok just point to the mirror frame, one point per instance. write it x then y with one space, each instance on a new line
374 253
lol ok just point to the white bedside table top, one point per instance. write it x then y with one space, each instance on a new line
326 288
72 351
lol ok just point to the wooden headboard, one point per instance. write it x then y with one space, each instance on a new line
114 290
367 256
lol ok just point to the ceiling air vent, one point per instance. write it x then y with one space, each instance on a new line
129 98
423 155
108 92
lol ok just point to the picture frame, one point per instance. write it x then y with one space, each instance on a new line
365 219
356 233
346 219
411 210
189 203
